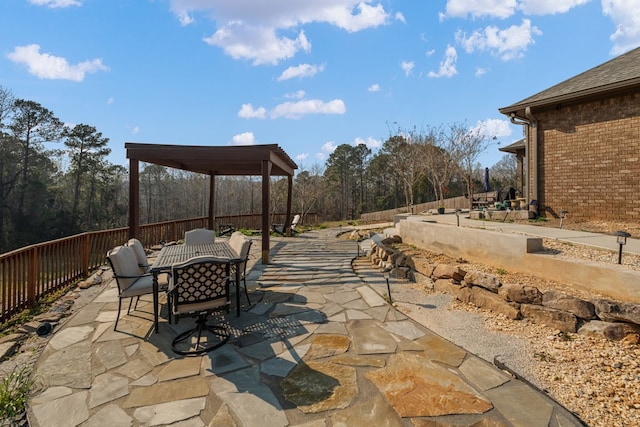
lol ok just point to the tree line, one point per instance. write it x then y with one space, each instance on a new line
56 180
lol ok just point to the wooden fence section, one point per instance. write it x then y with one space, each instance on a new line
28 273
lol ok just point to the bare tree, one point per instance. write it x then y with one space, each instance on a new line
308 189
467 146
406 157
440 161
503 173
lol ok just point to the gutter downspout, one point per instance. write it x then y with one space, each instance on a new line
533 166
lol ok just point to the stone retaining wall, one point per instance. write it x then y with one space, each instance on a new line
606 318
520 253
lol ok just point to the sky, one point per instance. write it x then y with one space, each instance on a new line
306 75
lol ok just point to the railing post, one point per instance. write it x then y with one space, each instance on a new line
86 253
32 276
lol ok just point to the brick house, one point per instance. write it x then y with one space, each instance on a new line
581 150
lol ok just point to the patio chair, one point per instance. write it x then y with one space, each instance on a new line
279 228
143 264
241 245
141 255
199 287
199 236
131 283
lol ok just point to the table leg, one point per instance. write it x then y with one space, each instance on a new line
155 302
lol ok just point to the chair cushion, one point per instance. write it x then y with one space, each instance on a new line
142 286
140 254
125 266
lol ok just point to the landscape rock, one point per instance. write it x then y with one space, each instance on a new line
487 299
484 280
562 320
446 286
612 311
447 271
610 330
523 294
561 301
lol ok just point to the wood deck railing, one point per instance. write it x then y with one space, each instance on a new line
28 273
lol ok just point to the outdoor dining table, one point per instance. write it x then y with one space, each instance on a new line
173 254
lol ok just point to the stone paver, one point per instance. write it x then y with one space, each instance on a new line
318 346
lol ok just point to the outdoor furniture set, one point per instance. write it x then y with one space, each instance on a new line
196 277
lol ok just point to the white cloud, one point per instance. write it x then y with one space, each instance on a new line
295 110
111 101
448 64
430 52
53 4
47 66
479 8
302 157
508 44
258 43
407 67
329 147
549 7
625 15
370 142
374 88
248 112
491 128
295 95
245 138
302 70
400 17
258 31
135 130
480 71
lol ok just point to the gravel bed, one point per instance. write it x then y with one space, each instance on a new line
597 379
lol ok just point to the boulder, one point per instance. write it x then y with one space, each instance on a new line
484 280
612 311
448 271
403 273
487 299
523 294
562 320
424 280
446 286
614 331
561 301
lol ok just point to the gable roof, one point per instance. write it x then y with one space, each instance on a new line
617 75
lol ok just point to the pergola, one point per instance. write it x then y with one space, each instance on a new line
247 160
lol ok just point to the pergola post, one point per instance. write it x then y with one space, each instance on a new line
287 220
212 198
266 198
134 198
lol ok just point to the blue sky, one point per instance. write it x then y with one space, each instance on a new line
307 75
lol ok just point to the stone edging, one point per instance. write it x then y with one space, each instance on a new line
600 317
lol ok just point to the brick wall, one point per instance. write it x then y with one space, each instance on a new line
589 159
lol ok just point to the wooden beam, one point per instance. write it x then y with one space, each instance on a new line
287 220
212 199
134 198
266 197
